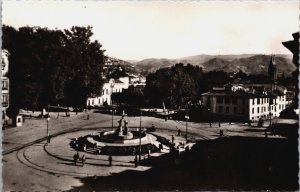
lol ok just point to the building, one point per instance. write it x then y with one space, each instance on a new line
5 84
240 103
128 84
109 87
248 101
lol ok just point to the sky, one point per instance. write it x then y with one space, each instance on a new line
154 29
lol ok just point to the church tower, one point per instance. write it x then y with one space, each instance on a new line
272 70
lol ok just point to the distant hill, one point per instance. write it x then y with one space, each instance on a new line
118 66
248 63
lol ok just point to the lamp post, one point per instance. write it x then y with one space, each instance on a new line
209 117
48 119
186 130
112 119
58 111
140 143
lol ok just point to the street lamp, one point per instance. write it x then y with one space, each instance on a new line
112 119
187 118
209 114
140 144
48 119
58 111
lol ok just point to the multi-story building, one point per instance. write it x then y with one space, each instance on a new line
248 101
242 103
5 84
126 84
109 87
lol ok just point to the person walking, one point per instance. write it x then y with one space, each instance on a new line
135 161
110 160
178 132
172 138
83 160
75 157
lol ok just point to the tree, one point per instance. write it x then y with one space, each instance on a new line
175 86
85 64
49 66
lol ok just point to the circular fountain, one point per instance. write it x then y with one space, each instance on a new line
117 141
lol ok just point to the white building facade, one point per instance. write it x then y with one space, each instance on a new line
109 87
243 103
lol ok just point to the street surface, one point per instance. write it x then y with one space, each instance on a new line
30 165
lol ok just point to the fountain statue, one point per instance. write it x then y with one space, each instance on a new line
122 130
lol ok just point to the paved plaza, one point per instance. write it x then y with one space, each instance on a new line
29 163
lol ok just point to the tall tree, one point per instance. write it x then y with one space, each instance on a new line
47 66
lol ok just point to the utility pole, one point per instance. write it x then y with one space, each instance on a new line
140 144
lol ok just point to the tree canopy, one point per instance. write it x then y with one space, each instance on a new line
52 66
174 86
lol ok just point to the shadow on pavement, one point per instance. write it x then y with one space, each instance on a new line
229 163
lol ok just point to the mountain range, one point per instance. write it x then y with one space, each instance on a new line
247 63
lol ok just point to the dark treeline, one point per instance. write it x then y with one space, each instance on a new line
181 85
50 67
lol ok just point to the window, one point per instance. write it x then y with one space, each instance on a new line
227 100
252 110
234 100
258 100
219 99
99 101
92 102
227 109
220 109
279 107
4 84
253 101
4 98
235 110
257 109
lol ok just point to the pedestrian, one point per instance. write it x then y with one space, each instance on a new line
110 160
172 139
75 157
178 132
210 125
135 161
221 132
219 124
161 147
83 160
266 134
149 153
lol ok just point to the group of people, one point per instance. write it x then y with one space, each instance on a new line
76 159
